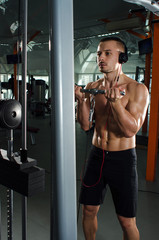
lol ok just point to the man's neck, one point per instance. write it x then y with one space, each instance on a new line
111 79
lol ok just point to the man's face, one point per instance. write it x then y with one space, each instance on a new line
108 56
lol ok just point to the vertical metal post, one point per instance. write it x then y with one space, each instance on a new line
24 74
0 89
0 222
24 218
63 199
24 106
9 214
10 143
9 191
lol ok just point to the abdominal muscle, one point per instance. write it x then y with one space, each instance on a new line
111 141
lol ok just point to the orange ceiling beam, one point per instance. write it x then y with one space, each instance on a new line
137 34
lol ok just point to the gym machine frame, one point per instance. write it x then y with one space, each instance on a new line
19 173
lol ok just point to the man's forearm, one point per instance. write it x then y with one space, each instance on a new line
83 110
125 120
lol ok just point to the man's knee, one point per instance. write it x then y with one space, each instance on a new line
90 211
127 223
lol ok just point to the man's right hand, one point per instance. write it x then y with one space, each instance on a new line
78 94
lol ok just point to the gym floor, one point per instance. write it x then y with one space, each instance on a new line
38 213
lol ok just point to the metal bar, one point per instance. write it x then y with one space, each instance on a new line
63 189
9 191
24 74
18 47
18 67
0 221
10 143
9 214
24 218
154 114
24 106
15 82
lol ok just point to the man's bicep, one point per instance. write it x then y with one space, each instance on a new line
138 107
138 113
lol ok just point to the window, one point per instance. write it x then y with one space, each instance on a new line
84 79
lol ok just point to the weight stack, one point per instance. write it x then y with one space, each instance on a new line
24 178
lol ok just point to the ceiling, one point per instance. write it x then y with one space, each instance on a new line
91 19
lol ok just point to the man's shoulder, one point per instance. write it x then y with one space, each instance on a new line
137 90
134 85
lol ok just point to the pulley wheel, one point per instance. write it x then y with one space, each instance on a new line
10 113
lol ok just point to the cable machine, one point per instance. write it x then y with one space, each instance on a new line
18 173
24 176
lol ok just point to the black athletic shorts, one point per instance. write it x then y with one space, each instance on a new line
119 172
